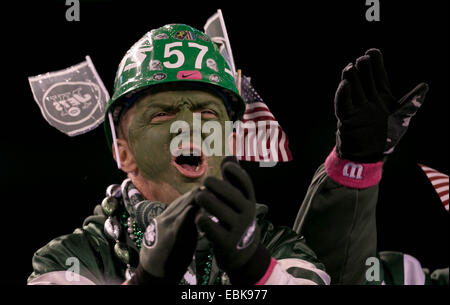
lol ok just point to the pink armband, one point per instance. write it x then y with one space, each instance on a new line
353 174
263 280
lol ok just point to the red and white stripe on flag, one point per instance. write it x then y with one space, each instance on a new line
439 182
265 140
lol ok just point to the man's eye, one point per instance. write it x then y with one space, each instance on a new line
208 114
161 116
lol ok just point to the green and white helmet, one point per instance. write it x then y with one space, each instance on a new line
172 53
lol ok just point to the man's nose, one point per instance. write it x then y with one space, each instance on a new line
190 119
185 114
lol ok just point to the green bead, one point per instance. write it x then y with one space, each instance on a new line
122 253
109 205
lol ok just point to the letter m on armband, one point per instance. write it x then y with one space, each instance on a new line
352 170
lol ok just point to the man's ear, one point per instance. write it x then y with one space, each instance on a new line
127 160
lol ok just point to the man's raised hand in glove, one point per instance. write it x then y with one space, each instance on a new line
233 232
371 121
341 226
168 244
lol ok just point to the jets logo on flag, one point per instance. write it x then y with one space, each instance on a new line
72 100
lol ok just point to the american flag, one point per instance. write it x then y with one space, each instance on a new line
260 137
265 140
439 182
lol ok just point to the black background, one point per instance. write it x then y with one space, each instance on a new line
294 52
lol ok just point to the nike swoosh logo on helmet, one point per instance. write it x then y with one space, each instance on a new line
193 74
186 75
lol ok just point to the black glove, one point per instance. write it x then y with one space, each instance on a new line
234 233
370 120
168 244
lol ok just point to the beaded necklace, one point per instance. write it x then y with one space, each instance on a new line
134 232
207 269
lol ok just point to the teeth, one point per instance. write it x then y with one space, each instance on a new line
196 169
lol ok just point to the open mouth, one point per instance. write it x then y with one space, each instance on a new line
189 164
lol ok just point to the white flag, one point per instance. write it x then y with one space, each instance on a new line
73 100
216 30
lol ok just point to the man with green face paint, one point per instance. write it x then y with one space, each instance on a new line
186 217
149 138
182 216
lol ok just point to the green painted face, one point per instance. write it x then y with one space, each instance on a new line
150 136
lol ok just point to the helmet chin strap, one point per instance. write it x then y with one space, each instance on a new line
114 137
